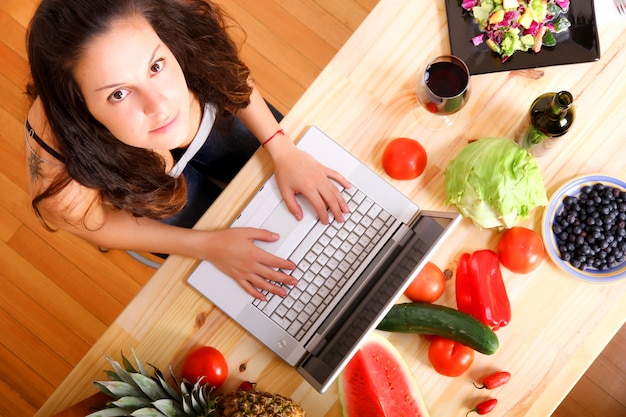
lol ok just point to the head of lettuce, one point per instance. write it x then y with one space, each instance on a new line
494 182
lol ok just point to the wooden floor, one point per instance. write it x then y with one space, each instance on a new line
58 294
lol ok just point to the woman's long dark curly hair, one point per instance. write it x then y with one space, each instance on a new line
128 178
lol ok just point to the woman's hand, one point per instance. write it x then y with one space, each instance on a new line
297 172
233 252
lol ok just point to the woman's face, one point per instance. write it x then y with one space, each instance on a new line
134 86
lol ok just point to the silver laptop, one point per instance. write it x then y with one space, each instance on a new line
349 273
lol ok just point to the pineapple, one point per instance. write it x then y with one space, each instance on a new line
254 403
136 393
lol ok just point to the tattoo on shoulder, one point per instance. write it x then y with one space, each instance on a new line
34 166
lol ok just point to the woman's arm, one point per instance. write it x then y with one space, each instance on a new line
231 250
296 171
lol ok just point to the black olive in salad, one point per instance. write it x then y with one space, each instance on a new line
590 230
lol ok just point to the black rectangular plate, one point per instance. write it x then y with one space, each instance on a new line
578 44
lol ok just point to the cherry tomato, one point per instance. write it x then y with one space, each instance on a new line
428 285
207 362
448 357
520 250
404 159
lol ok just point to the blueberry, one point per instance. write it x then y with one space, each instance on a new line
591 225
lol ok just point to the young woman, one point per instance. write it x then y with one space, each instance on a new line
137 106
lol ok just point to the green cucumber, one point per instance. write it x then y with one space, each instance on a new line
438 320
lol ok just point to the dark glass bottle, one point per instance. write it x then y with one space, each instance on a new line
551 116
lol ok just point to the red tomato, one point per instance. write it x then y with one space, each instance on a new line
448 357
404 159
207 362
520 250
428 285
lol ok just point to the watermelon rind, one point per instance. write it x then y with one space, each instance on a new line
377 382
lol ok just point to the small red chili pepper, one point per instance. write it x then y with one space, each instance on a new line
484 407
495 380
247 386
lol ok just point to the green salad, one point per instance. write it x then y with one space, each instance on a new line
508 26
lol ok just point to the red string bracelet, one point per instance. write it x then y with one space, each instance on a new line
278 132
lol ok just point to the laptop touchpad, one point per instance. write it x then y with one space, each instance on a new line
284 223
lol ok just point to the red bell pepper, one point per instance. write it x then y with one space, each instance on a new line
480 289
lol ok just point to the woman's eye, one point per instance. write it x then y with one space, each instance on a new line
157 66
118 95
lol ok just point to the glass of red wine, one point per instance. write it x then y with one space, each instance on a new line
442 90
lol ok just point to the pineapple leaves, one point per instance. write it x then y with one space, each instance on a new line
201 395
132 403
147 412
127 365
151 388
118 389
166 386
135 393
112 375
197 401
169 407
140 366
187 408
109 412
122 373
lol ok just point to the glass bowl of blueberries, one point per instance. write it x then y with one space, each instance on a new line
584 228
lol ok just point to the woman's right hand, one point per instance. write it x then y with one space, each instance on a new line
234 252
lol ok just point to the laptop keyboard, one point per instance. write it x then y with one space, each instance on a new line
328 264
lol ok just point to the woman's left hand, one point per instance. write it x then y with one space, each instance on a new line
297 172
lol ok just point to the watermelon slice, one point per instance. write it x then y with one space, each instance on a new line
378 383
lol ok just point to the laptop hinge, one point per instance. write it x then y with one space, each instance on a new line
369 278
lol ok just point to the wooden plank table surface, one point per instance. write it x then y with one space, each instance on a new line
364 98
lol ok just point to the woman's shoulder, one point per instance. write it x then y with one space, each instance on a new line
39 137
46 167
44 161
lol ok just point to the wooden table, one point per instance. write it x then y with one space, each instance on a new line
364 98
